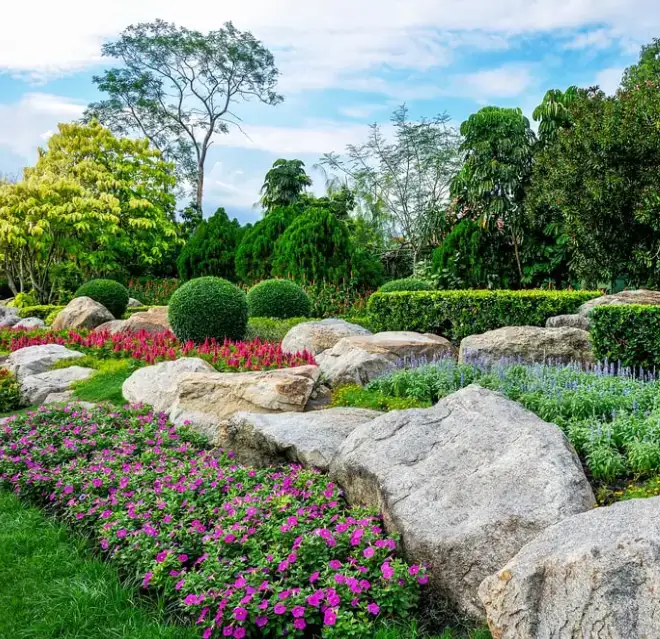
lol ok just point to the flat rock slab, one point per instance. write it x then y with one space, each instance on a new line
316 337
82 312
34 360
207 400
30 324
641 296
36 388
310 439
157 385
359 360
593 575
528 344
466 483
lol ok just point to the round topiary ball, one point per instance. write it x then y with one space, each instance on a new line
407 284
280 299
208 307
113 295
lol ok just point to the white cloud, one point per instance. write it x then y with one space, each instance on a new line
598 39
507 81
609 79
32 119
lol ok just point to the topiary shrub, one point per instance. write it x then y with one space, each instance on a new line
113 295
208 307
407 284
10 392
278 298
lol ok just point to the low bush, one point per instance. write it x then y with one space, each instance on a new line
268 329
281 299
153 291
208 308
10 392
23 300
243 552
42 311
113 295
629 334
406 284
334 300
50 318
358 397
458 314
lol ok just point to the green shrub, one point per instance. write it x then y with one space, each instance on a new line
10 392
50 318
629 334
42 311
458 314
358 397
208 307
268 329
24 299
113 295
406 284
280 299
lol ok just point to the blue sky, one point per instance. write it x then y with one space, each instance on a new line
344 65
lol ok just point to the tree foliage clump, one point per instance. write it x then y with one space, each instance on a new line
284 184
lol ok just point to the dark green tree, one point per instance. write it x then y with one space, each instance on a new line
211 250
191 218
284 184
180 87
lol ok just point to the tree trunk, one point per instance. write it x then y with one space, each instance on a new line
517 254
200 186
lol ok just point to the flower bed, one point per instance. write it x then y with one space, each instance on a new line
242 552
254 355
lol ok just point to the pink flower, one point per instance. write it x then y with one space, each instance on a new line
279 609
329 617
387 571
240 614
298 611
299 624
373 608
335 564
314 577
147 579
261 621
423 580
121 533
413 570
369 552
239 633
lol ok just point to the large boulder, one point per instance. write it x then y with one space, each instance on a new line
568 321
208 400
36 388
529 344
133 303
34 360
82 312
154 320
466 483
641 296
316 337
593 575
156 385
8 316
358 360
113 327
311 439
30 324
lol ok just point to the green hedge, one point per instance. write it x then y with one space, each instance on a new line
629 334
457 314
42 311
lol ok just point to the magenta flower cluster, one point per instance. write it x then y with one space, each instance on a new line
243 552
253 355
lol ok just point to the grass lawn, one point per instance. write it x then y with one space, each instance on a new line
50 587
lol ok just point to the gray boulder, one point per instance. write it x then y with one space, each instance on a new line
133 303
641 296
36 388
568 321
34 360
156 385
82 312
358 360
316 337
466 483
30 323
8 316
529 344
311 439
61 397
593 575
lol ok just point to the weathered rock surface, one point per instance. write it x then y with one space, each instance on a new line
467 483
156 385
207 400
641 296
63 397
133 303
528 344
36 388
34 360
358 360
154 320
311 439
30 323
8 316
113 327
569 321
316 337
593 575
82 312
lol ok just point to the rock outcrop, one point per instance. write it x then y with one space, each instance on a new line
568 321
82 312
316 337
36 388
641 296
34 360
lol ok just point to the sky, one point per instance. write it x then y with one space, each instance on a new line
343 65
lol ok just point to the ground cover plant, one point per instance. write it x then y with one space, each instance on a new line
152 348
242 552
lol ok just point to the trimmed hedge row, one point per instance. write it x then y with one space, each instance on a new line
457 314
629 334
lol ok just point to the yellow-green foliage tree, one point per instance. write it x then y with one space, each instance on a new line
92 199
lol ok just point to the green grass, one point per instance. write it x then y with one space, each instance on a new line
52 588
